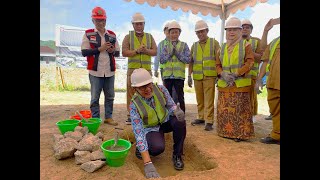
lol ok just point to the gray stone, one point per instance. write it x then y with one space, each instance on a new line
65 148
82 157
100 135
89 143
76 135
57 137
97 155
92 166
83 130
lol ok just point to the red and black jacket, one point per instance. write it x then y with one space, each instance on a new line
93 53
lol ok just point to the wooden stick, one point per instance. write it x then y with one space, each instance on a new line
62 80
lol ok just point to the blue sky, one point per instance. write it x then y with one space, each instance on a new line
77 13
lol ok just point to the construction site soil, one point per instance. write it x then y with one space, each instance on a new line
206 155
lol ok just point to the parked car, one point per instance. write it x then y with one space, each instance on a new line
81 64
65 61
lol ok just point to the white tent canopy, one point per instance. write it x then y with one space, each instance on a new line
223 8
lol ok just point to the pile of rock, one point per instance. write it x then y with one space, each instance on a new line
81 144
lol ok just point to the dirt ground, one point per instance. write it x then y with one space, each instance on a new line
206 155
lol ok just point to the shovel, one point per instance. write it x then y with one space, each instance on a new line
83 119
115 140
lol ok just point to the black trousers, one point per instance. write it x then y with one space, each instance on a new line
156 142
178 85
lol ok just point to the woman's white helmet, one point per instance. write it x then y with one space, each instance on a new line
233 23
140 77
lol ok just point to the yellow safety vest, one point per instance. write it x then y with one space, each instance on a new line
139 60
233 63
162 44
151 117
255 68
175 66
273 46
204 62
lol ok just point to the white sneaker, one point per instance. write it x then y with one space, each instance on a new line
254 119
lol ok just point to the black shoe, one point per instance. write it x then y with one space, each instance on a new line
269 140
197 121
138 154
237 140
208 127
128 121
269 117
177 162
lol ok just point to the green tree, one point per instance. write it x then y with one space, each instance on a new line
49 43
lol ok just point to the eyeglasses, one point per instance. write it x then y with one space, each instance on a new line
143 88
99 20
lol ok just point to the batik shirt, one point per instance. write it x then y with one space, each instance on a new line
184 56
137 124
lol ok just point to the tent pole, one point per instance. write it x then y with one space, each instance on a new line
222 30
223 18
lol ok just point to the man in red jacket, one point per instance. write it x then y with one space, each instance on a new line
100 46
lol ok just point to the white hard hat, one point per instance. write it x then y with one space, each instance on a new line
137 17
200 25
246 21
166 25
174 24
140 77
233 23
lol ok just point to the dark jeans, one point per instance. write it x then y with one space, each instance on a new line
174 94
156 142
178 85
97 85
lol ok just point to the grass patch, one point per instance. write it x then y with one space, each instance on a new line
75 79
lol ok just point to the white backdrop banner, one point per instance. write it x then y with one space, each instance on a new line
68 46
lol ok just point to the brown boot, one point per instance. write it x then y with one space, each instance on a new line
110 121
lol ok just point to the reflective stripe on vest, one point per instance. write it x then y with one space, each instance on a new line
151 117
255 68
273 47
174 66
234 63
139 60
204 60
162 44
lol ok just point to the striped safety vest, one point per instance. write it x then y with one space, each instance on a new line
139 60
273 45
175 67
233 63
204 63
255 68
151 117
162 44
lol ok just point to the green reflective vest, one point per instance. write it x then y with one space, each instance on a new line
204 63
273 45
233 63
255 68
151 117
162 44
174 66
139 60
